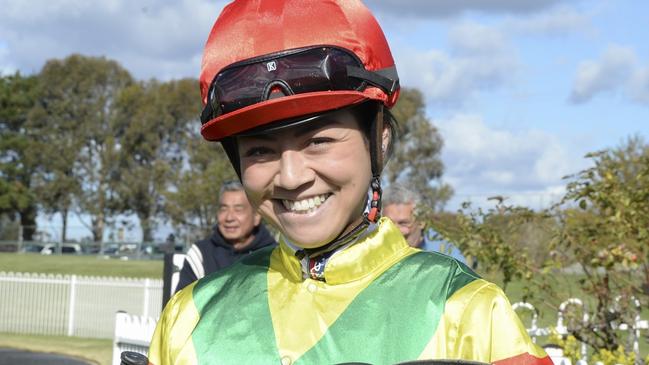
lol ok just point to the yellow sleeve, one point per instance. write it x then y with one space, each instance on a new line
171 342
480 324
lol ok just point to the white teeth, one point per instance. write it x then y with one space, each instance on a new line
304 205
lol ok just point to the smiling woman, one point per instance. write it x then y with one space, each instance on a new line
302 176
299 93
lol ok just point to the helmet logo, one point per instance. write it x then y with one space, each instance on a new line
271 66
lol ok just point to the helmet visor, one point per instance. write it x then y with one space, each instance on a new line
322 68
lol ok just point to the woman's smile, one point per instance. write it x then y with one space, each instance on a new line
305 205
310 181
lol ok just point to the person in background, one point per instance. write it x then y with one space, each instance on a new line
400 204
238 232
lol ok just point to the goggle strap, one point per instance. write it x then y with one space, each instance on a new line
229 144
375 79
206 114
376 142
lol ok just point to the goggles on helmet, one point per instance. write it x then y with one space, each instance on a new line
290 72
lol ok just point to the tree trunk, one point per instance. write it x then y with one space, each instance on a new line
98 228
28 222
64 229
147 229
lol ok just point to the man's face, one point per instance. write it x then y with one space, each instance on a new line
403 216
236 217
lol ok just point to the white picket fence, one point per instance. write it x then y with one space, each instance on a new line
73 305
132 333
561 328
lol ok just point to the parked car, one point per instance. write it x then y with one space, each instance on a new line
50 248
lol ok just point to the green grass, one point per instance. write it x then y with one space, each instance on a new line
80 265
94 350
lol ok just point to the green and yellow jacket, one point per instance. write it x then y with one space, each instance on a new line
381 302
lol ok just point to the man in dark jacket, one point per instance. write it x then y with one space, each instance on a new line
239 232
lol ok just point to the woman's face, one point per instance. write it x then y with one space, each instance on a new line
311 180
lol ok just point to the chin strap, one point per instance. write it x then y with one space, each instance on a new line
377 154
375 204
335 244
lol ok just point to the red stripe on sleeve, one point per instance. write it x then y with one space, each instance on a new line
525 359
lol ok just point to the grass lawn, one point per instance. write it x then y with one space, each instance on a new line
80 265
94 350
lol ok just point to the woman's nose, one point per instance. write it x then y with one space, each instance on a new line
294 171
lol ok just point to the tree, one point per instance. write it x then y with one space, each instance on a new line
416 161
194 201
494 236
99 82
606 238
71 123
151 118
17 158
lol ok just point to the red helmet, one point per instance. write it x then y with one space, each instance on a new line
267 61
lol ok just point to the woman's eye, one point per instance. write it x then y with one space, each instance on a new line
319 141
258 151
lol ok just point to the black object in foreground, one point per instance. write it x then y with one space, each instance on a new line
133 358
426 362
441 362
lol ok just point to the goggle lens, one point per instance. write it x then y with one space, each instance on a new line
293 72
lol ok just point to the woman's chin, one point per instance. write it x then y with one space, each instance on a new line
309 241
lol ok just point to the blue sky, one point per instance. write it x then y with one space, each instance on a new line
520 90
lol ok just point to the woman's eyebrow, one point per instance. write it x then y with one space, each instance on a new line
312 127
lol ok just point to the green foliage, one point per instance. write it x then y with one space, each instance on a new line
17 158
416 160
194 202
151 123
83 137
69 127
571 347
496 237
606 238
599 232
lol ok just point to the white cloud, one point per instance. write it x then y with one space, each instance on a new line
477 39
526 165
608 73
438 9
555 22
638 86
6 66
479 59
616 70
162 39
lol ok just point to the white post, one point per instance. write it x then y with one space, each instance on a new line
73 298
145 304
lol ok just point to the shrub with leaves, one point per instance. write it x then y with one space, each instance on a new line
604 234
